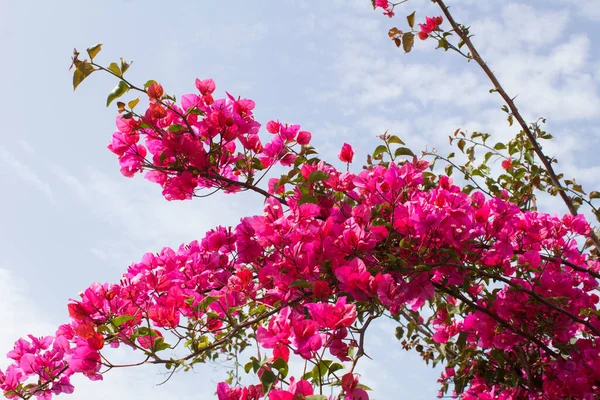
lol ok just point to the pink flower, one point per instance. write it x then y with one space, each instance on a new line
306 337
278 331
357 394
84 359
423 35
507 164
289 132
303 137
273 127
155 91
297 390
224 392
346 154
349 384
386 7
205 87
430 25
332 316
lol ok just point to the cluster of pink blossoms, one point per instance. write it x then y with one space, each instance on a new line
431 24
384 239
387 8
201 143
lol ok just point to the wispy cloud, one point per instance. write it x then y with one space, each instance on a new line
24 172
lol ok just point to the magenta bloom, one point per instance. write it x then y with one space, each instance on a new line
430 25
346 154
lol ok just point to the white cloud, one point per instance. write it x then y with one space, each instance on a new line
144 220
585 8
24 172
18 313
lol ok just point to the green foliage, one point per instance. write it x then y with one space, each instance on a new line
117 92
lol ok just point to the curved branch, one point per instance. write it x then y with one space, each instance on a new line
532 294
496 318
247 186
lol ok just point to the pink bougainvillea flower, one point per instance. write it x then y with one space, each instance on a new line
507 164
429 26
385 4
346 154
273 127
155 91
303 137
277 332
332 316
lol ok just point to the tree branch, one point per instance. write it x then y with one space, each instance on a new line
496 318
515 111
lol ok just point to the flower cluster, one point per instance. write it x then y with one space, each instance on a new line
331 251
201 143
385 5
430 25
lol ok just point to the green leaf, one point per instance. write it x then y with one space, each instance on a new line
148 83
160 345
317 176
307 199
196 111
83 70
175 128
315 397
379 150
594 195
471 153
124 65
94 50
399 332
396 140
461 145
529 157
403 151
300 283
133 103
334 367
117 92
114 68
411 19
578 188
448 169
267 379
78 77
145 331
487 156
281 366
207 301
121 319
248 367
408 41
443 44
499 146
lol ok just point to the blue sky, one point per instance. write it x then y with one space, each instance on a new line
69 218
